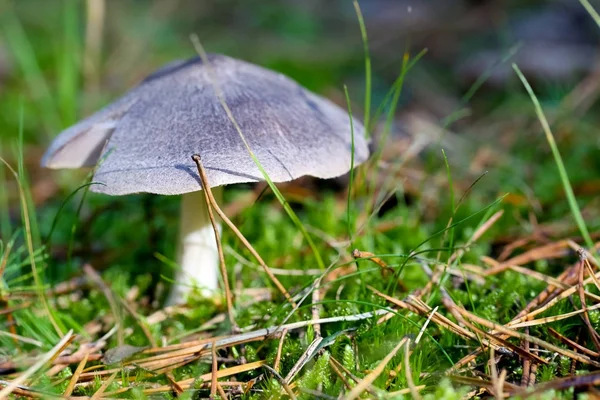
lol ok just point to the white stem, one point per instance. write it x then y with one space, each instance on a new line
197 249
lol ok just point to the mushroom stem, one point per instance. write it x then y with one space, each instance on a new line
197 253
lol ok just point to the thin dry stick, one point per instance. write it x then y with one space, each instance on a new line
207 195
100 392
366 382
240 236
339 373
222 392
532 373
592 274
279 349
213 380
573 344
408 373
547 320
281 381
35 367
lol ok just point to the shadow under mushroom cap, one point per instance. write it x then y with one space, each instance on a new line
146 138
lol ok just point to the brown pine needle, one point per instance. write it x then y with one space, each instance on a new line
75 376
45 359
552 250
542 343
547 320
573 344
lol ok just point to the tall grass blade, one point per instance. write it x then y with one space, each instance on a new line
5 223
558 160
365 40
70 55
350 216
36 277
593 13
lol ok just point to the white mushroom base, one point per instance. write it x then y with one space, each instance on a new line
197 253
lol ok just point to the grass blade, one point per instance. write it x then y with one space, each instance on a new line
365 40
558 160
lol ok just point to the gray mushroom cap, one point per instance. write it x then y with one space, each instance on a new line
146 138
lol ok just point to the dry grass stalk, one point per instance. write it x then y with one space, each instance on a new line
365 255
408 373
287 388
573 344
422 309
100 392
507 388
370 378
279 349
206 190
213 203
213 379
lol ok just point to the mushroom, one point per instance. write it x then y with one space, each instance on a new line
143 143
